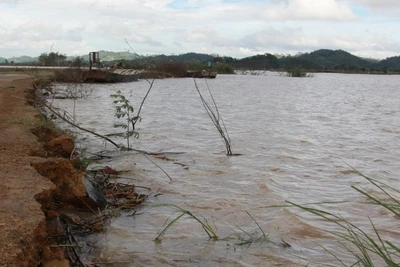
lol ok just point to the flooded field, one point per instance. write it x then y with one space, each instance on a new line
295 136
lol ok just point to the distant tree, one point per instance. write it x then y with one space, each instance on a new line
43 58
223 68
52 59
77 62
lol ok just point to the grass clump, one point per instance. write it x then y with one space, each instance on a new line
210 231
368 248
239 236
82 163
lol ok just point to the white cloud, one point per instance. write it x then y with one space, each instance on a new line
296 39
309 10
235 28
198 35
381 8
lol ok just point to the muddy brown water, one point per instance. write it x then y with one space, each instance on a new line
295 137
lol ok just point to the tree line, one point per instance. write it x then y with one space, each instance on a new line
320 60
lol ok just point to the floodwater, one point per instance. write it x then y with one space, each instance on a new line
295 137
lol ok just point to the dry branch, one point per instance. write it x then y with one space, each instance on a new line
215 117
79 127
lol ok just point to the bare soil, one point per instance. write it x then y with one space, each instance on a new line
23 238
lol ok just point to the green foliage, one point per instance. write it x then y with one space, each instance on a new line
257 62
196 66
124 110
187 57
82 163
223 68
219 67
392 63
292 62
52 59
135 64
319 60
77 62
326 58
296 72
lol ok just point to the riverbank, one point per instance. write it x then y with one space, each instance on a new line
43 184
23 238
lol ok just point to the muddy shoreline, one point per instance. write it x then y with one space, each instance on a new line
44 184
23 225
36 171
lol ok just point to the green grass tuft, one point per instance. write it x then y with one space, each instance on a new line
368 249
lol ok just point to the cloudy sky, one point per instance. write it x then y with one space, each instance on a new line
237 28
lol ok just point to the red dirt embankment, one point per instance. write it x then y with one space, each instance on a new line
23 238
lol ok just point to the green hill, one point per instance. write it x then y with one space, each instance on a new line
23 59
113 56
392 63
290 62
319 60
187 57
333 59
257 62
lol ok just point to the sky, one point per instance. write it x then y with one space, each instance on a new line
237 28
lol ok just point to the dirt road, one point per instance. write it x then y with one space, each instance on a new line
22 223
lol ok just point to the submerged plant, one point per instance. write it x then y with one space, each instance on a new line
297 72
213 113
204 224
240 236
124 110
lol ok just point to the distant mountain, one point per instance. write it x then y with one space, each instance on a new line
257 62
113 56
289 62
107 56
23 59
391 63
323 59
187 57
319 60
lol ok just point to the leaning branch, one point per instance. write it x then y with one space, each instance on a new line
79 127
141 104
